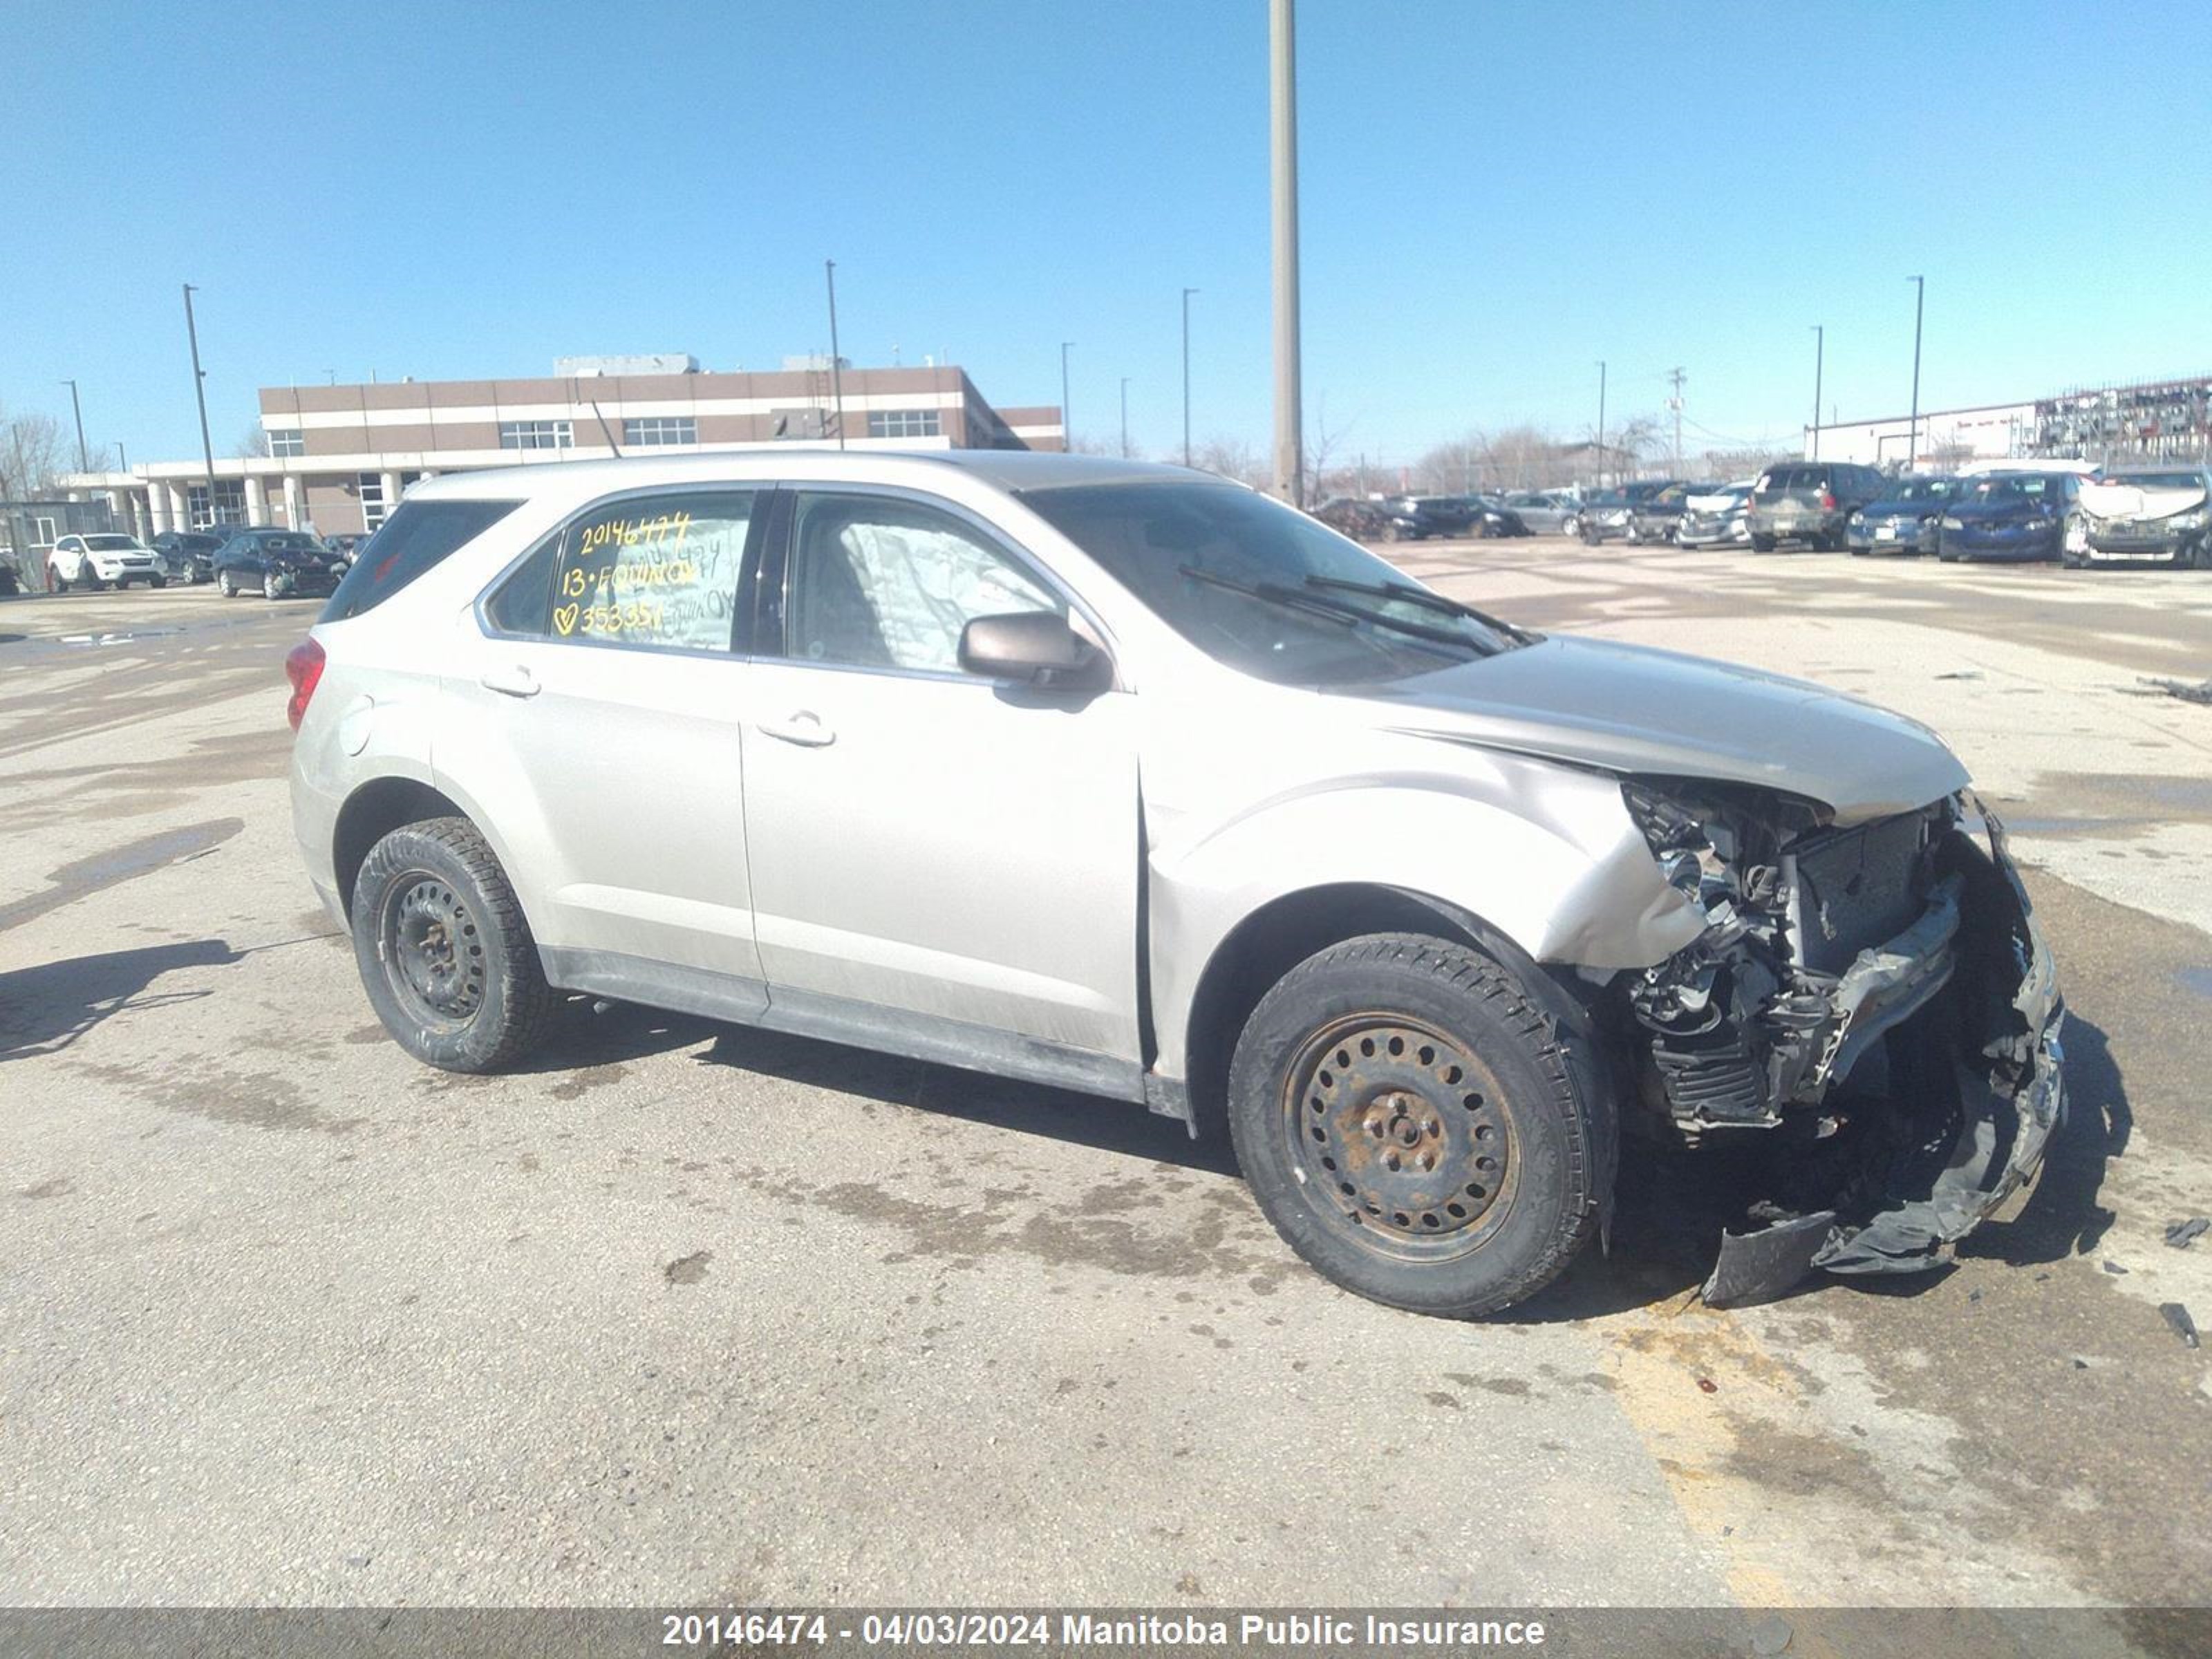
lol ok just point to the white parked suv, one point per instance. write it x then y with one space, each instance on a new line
101 560
1127 780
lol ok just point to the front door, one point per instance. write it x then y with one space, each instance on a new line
931 850
601 711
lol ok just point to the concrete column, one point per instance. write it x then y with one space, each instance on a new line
391 492
295 502
181 512
257 500
157 505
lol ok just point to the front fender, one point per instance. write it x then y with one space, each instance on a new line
1546 855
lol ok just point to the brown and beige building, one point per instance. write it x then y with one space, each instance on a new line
339 457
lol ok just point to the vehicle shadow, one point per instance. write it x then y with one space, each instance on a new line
44 1009
1110 1125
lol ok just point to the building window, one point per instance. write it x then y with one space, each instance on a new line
902 423
652 429
229 505
287 442
535 435
42 533
373 506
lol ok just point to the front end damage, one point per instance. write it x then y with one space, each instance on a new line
1874 1001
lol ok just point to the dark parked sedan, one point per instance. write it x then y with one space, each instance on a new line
1904 519
277 563
2008 515
186 555
1609 513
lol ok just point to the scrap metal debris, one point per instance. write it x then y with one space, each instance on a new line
2181 689
2183 1234
2177 1317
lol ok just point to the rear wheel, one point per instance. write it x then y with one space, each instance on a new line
1408 1120
447 957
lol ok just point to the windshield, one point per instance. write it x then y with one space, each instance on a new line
2014 487
1260 588
1926 490
2161 480
110 544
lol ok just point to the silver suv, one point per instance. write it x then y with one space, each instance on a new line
1127 780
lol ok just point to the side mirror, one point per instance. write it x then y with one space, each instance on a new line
1033 648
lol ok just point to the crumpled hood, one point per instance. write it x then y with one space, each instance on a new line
1632 709
2122 499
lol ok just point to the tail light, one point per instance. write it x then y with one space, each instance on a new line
303 666
1828 501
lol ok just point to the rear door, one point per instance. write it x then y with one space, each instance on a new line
598 726
934 850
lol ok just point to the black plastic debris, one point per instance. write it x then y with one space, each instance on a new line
2181 1234
2182 688
2177 1317
1761 1265
2114 1268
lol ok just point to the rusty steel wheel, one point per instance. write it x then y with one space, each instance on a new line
1401 1132
1417 1124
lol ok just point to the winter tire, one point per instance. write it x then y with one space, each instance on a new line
444 952
1410 1121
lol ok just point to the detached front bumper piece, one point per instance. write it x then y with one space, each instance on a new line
1973 1094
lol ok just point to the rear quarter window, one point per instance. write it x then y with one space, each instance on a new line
415 540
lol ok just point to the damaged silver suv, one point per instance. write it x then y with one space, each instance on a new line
1126 780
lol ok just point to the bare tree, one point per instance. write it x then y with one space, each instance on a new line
34 453
252 443
1233 457
1636 438
1949 455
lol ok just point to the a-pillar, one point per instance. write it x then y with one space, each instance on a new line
257 500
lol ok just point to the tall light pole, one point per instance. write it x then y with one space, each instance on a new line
1913 438
122 461
1187 292
1125 417
836 363
199 391
1601 423
1820 352
1066 425
1675 379
82 464
1283 147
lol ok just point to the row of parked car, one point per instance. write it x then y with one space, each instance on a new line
2138 515
237 558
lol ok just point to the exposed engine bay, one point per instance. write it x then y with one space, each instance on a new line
1875 995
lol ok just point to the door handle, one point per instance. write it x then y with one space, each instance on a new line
804 728
515 682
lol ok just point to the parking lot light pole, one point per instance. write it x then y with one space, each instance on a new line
199 391
1187 292
1067 426
77 410
1819 350
1912 438
836 367
1283 147
1601 423
1125 417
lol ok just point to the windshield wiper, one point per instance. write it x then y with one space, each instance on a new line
1349 615
1434 601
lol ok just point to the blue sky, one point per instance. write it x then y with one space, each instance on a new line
1494 196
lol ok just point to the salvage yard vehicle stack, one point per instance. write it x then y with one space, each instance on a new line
1198 804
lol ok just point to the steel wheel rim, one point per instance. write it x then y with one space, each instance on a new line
1399 1137
432 949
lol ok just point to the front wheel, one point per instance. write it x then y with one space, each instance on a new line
157 581
271 588
447 957
226 585
1762 544
1408 1120
1570 526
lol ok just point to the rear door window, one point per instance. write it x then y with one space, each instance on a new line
417 538
655 572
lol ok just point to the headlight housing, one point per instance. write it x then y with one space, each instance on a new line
2194 519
